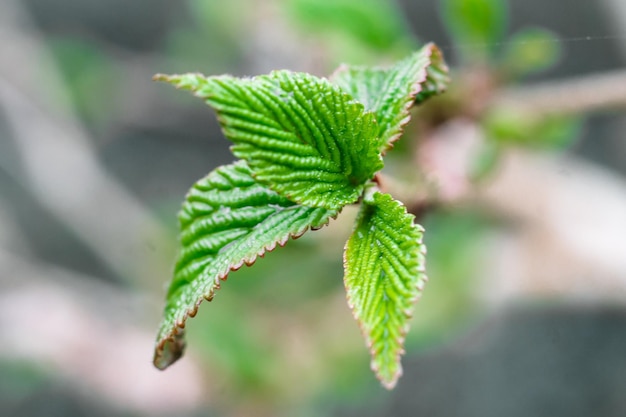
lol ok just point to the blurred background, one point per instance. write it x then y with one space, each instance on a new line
517 173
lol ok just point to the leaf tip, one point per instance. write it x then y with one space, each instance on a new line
388 380
160 77
169 350
190 81
390 384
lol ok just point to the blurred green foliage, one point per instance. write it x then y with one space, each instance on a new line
516 128
477 27
377 24
356 31
454 259
18 379
529 51
212 39
90 76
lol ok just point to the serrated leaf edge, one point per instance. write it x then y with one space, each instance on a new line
175 335
421 282
434 52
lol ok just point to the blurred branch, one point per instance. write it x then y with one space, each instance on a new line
576 95
61 168
565 227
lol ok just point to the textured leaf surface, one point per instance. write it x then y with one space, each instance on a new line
302 136
227 220
384 275
390 93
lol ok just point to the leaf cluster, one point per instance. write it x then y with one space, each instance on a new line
308 147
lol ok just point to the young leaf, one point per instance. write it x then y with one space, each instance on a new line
227 220
384 275
303 137
437 77
390 93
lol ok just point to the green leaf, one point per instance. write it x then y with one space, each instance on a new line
390 93
302 136
227 220
384 276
